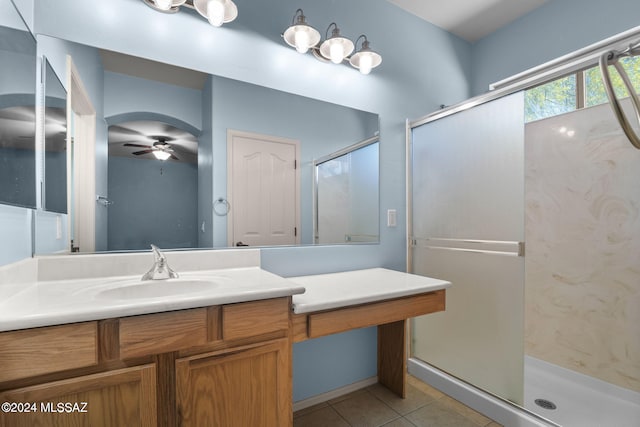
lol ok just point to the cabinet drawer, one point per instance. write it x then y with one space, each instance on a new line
40 351
254 318
162 332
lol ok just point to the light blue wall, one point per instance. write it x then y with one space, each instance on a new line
322 128
25 9
555 29
15 232
153 202
17 176
126 94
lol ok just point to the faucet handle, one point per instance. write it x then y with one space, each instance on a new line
160 269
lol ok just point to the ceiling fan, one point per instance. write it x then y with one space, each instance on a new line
161 149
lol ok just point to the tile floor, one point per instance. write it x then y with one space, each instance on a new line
375 406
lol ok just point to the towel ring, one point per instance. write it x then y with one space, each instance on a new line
221 202
613 56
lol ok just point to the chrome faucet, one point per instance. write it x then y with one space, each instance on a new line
160 269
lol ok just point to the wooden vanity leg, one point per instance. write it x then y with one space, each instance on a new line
392 356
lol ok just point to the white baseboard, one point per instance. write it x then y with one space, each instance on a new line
497 409
320 398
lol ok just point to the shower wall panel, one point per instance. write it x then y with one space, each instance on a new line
583 246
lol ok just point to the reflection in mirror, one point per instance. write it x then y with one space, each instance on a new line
153 186
347 199
17 116
55 142
211 109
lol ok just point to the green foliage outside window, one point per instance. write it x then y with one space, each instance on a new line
550 99
560 96
594 86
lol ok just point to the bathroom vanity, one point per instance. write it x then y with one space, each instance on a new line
219 356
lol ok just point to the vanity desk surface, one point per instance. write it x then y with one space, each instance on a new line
339 302
349 288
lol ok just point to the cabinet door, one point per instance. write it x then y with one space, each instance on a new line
247 387
125 397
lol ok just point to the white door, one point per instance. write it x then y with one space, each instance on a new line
262 187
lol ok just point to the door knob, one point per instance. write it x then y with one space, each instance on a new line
241 244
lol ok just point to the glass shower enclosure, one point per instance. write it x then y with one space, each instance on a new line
562 317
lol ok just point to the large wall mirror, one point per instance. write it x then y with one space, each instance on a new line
18 66
200 161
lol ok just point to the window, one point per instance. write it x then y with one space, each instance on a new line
582 89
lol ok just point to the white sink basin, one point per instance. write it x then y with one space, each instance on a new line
129 289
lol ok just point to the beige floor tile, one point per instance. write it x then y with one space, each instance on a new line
400 422
467 412
323 417
364 409
310 409
415 399
436 414
424 387
494 424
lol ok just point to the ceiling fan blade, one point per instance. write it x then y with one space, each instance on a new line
174 157
128 144
137 153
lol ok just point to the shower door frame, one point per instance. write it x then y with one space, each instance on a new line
480 399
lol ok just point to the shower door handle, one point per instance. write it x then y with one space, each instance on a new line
491 247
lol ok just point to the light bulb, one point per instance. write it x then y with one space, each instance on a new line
302 40
164 4
366 63
336 52
161 155
215 12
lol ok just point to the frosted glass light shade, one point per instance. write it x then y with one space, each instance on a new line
365 60
336 49
161 155
301 37
163 4
217 12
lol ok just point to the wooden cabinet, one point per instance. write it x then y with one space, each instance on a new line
227 366
123 397
250 386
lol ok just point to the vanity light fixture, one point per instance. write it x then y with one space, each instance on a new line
365 59
301 35
217 12
334 48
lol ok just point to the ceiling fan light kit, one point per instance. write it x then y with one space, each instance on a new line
160 149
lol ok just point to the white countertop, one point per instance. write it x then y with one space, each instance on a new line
57 302
335 290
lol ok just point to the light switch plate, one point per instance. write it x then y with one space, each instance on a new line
391 218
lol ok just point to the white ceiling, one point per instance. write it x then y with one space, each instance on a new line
469 19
